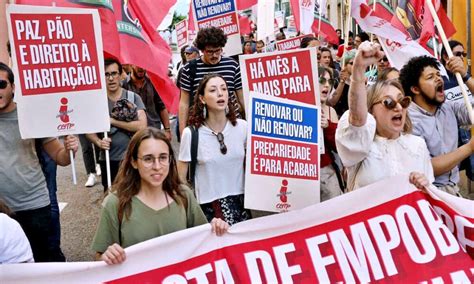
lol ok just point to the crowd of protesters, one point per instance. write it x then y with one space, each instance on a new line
377 122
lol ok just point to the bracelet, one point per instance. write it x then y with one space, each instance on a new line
466 78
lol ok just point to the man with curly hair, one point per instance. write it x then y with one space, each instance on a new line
435 120
210 41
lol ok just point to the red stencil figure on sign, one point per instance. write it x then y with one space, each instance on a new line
63 111
283 191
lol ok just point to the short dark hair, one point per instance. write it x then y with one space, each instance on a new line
10 76
363 36
306 40
211 36
351 34
452 44
110 61
411 71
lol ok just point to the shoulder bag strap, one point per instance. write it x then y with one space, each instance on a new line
194 150
351 181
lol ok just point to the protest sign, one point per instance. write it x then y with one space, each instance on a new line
282 154
286 74
58 62
388 232
182 33
220 14
291 43
283 148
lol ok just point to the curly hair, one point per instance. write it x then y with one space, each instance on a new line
127 183
196 117
412 70
211 36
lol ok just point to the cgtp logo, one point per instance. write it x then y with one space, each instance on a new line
283 206
63 115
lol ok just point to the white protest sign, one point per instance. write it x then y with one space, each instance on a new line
58 62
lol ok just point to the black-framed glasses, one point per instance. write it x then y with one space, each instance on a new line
323 81
3 84
112 74
149 160
220 138
390 103
460 53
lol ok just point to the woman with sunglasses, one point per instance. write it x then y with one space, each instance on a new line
330 174
219 175
373 137
147 199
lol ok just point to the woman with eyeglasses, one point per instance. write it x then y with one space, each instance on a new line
147 199
219 174
330 174
373 137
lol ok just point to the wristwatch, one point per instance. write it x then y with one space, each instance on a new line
466 78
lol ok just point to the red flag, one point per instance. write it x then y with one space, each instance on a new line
326 30
129 34
382 10
414 17
245 4
244 24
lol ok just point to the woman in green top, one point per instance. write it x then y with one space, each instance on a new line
147 200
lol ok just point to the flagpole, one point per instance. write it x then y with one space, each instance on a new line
450 55
107 164
346 33
435 47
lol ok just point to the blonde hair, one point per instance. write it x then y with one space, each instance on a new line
377 90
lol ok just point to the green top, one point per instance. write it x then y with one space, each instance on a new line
145 223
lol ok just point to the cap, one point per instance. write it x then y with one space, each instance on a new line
191 49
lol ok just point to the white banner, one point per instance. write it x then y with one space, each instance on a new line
306 15
266 20
388 232
58 64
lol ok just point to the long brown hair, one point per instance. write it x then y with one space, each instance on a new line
377 90
127 183
197 118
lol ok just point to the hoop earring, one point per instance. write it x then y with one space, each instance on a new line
226 109
204 112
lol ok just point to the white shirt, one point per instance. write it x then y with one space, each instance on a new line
381 157
217 175
14 246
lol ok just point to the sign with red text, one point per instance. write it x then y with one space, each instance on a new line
220 14
288 74
283 134
282 154
182 33
291 43
388 232
58 64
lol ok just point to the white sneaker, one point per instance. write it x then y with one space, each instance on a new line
98 172
91 180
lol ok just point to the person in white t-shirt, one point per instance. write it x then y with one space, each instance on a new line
219 175
14 245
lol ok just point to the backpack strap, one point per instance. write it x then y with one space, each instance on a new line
192 76
130 96
194 149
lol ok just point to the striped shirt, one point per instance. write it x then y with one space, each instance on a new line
228 68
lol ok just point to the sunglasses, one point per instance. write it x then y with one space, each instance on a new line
3 84
384 59
460 53
323 81
390 103
220 138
